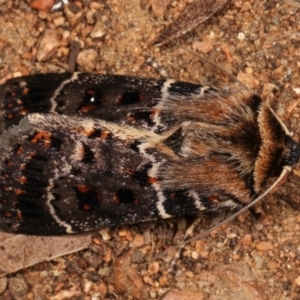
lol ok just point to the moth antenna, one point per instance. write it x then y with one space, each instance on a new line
287 132
232 77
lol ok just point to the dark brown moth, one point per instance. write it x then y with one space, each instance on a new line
83 151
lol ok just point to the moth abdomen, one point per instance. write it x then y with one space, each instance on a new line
88 151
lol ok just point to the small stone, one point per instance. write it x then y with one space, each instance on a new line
87 286
272 265
82 263
247 240
278 72
159 7
99 30
129 236
236 256
137 256
226 49
92 259
241 36
241 218
103 288
246 6
189 274
204 254
48 45
259 260
122 232
297 90
3 284
231 235
148 280
105 234
64 294
163 280
73 13
106 271
87 59
195 255
59 21
107 256
96 5
297 281
138 240
59 286
126 279
90 17
18 287
175 294
153 267
203 47
247 79
153 294
264 246
42 5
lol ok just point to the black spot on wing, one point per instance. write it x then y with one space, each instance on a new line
87 155
87 198
128 98
91 100
179 203
125 196
141 175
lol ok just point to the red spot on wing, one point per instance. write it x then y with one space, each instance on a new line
25 91
82 188
86 207
20 192
152 180
214 199
22 179
43 137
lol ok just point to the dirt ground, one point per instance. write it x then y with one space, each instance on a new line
252 257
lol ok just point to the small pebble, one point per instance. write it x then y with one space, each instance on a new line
106 271
3 284
163 280
148 280
297 281
241 36
138 240
18 287
103 288
264 246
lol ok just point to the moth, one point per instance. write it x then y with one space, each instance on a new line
79 152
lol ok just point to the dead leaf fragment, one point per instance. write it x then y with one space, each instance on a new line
20 251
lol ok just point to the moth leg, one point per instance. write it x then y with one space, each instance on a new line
188 234
160 70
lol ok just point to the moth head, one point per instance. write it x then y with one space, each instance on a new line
277 150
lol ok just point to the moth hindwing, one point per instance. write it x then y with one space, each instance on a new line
82 151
